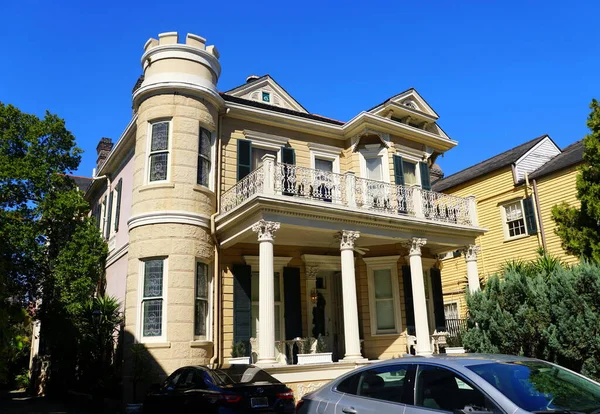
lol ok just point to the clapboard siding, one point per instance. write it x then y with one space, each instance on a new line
535 158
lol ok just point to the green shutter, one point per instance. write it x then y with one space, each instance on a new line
242 304
109 214
244 158
292 308
409 310
288 156
398 170
118 210
529 215
425 179
438 299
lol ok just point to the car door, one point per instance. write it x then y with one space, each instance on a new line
441 389
194 391
381 389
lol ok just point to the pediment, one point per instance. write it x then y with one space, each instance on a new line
409 100
265 90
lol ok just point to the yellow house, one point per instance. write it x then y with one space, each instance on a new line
240 217
515 192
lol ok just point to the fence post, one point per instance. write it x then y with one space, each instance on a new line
269 173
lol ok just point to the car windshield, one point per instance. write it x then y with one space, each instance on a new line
242 374
540 386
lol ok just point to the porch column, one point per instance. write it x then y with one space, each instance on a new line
470 253
418 291
350 307
266 292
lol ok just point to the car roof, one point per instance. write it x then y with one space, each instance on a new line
458 360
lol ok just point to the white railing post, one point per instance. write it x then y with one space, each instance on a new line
472 213
350 189
269 173
418 202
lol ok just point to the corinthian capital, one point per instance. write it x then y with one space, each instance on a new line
414 245
312 272
470 252
265 230
347 239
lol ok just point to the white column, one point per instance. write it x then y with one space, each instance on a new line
269 173
350 307
266 292
418 291
470 253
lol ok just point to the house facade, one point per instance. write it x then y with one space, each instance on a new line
240 217
515 192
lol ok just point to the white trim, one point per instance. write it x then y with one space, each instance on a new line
323 262
181 51
162 217
266 139
116 255
536 146
261 85
452 302
505 230
169 151
384 263
335 159
375 151
278 261
139 338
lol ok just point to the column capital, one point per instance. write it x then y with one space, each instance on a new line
265 229
347 239
414 245
311 272
471 252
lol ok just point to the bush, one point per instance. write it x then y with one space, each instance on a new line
22 380
552 314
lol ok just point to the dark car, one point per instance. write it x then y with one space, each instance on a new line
237 389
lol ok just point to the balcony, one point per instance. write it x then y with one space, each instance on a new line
348 191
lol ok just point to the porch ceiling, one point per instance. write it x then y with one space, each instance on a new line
311 224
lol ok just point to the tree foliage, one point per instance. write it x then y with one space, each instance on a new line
51 251
579 228
551 316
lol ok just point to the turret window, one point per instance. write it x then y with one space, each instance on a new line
204 157
159 151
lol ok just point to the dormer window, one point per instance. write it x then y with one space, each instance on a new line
266 97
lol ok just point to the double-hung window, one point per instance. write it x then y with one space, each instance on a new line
204 157
384 300
515 221
202 294
153 298
159 151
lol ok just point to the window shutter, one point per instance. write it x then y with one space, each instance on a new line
118 211
438 299
109 214
244 158
398 170
291 295
529 215
288 156
409 309
242 304
425 178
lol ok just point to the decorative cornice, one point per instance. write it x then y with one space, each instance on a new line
370 261
347 239
278 262
164 217
414 245
470 252
311 272
117 254
265 229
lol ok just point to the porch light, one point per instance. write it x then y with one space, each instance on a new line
314 296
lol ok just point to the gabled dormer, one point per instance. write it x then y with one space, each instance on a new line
411 109
265 90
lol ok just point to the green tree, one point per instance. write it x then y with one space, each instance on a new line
51 252
579 228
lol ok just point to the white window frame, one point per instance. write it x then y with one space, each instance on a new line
140 310
384 263
375 151
103 210
149 146
209 299
503 205
113 213
213 154
449 303
325 152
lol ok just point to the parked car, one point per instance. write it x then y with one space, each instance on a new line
460 384
237 389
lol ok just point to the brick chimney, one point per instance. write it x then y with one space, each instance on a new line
103 149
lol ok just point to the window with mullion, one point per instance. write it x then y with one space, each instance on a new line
152 302
159 151
204 159
515 221
201 314
384 300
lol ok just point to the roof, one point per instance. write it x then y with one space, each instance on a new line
492 164
460 359
571 155
279 109
82 183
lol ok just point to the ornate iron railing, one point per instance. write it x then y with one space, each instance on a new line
274 178
455 326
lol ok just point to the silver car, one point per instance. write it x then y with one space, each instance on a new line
461 384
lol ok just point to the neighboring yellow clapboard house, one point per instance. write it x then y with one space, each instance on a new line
515 192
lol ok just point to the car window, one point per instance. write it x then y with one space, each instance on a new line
172 381
186 380
392 383
242 374
441 389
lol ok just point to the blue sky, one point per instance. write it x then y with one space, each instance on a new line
498 73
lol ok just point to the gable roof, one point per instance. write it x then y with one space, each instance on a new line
492 164
265 81
571 155
427 109
82 183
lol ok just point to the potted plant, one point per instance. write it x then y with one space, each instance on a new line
238 354
454 344
318 356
